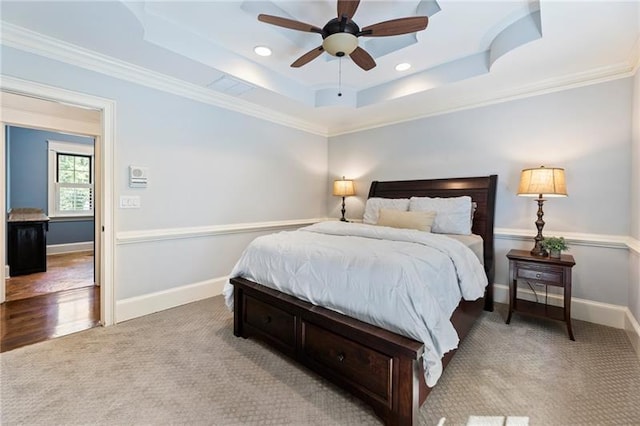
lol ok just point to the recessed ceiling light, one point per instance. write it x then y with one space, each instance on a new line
262 50
403 66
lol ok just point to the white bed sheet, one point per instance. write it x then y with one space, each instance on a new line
473 241
405 281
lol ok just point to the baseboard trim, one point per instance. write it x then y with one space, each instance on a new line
633 331
139 306
581 309
70 247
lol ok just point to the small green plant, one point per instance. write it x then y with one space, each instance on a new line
555 244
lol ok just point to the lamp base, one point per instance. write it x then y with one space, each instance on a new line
538 250
342 219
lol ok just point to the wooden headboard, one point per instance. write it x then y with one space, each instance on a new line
482 190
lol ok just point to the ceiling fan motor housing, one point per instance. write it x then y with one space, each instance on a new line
340 37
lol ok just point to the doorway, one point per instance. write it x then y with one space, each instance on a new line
50 175
33 105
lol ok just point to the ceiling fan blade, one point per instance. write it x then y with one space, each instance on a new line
362 59
347 8
395 27
308 57
289 23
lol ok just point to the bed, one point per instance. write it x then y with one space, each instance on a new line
381 367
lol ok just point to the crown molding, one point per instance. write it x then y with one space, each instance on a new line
30 41
20 38
581 79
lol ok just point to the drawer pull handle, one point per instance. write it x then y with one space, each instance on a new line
340 357
538 275
267 319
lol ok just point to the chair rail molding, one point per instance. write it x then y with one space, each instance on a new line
135 237
634 244
576 238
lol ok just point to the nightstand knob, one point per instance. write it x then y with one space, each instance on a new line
538 275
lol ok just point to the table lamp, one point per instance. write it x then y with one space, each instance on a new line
542 182
343 188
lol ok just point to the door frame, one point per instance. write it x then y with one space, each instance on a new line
104 151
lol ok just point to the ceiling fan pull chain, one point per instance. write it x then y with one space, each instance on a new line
340 76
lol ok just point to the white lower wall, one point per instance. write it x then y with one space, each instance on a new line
633 319
157 261
138 306
128 307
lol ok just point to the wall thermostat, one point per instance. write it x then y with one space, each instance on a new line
138 177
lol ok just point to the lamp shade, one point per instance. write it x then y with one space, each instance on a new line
340 44
542 181
343 187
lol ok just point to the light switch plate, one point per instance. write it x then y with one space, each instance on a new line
129 201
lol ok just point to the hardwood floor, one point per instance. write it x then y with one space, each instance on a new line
27 321
50 304
64 272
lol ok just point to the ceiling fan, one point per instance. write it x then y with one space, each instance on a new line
340 35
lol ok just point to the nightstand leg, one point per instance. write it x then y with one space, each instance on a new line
512 298
567 307
570 330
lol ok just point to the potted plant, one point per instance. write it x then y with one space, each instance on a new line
555 245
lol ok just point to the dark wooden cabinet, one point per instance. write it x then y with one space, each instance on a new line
27 247
547 271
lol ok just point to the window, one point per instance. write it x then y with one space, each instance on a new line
70 179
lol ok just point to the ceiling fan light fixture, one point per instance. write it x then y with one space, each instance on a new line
403 66
340 44
262 51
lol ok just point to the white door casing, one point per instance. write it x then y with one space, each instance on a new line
103 129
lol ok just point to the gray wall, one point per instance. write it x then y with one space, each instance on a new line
27 180
586 130
207 166
634 283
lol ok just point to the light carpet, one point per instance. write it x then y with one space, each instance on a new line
184 366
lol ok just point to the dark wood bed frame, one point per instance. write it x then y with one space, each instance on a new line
382 368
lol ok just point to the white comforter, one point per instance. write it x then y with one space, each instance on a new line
405 281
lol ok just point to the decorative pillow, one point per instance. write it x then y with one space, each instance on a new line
421 221
374 204
453 214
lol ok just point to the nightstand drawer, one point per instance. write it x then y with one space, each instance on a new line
550 276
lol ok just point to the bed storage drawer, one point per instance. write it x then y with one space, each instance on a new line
271 322
365 368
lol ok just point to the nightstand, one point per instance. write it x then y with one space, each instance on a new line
541 270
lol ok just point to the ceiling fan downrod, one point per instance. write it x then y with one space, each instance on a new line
340 76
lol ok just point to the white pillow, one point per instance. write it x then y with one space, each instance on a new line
374 204
453 214
420 221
